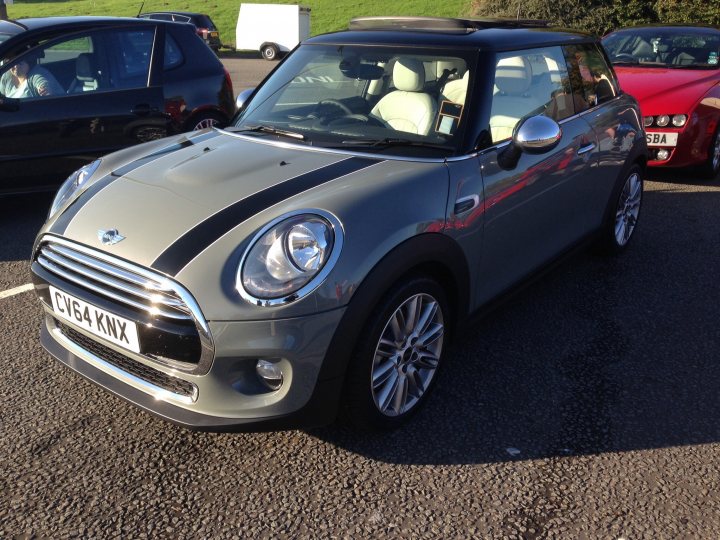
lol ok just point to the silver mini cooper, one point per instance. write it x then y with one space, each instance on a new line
380 186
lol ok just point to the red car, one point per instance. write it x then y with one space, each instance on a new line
674 72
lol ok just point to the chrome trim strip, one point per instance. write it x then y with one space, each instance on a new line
59 271
167 284
110 269
109 279
132 380
311 285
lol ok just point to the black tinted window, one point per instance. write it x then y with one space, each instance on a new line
173 54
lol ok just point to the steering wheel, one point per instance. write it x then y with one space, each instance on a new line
624 56
335 103
357 119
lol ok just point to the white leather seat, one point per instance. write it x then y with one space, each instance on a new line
455 91
513 101
407 108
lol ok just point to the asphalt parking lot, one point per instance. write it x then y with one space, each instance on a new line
587 406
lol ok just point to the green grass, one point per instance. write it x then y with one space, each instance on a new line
326 15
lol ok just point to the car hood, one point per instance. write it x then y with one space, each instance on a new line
666 91
168 202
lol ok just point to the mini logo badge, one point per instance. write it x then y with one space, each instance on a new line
110 237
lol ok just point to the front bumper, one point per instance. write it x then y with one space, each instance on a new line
229 395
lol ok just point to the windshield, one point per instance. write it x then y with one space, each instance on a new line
380 99
684 48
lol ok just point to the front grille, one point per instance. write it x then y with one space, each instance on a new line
137 369
116 280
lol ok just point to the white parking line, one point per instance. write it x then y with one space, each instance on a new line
16 290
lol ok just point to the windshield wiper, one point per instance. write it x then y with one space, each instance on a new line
272 131
395 141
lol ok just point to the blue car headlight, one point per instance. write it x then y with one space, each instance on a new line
289 258
72 185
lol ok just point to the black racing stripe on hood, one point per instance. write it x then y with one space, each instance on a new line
193 242
63 221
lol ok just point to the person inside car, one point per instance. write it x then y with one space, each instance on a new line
27 79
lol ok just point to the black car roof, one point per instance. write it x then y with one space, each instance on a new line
487 34
19 27
188 13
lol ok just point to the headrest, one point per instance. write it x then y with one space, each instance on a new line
85 67
513 75
409 75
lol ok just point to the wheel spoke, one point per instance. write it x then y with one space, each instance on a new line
397 323
416 384
427 360
386 348
382 372
401 393
427 317
388 392
433 333
413 314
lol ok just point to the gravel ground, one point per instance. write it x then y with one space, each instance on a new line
585 407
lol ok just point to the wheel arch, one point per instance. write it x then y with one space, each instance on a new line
432 254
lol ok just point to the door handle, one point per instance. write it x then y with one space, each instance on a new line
585 149
141 109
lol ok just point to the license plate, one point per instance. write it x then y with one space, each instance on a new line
99 322
656 138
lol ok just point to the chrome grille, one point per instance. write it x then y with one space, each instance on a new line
116 280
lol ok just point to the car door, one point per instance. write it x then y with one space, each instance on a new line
535 205
106 98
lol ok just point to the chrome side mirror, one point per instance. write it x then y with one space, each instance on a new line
242 99
535 135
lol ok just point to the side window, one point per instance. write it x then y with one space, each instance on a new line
528 83
592 80
53 69
173 54
130 51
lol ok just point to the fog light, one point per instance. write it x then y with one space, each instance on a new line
679 120
662 155
270 374
648 120
662 120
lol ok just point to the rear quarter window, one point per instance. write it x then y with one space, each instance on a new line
173 54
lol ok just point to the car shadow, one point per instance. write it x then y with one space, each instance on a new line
21 217
600 355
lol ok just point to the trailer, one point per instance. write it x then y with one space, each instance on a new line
271 28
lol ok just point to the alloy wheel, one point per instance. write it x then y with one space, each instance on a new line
407 355
628 209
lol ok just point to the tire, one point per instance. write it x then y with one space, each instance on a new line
269 52
205 119
711 168
394 368
623 213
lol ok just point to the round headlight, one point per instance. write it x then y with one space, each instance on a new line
73 183
648 120
679 120
662 120
289 258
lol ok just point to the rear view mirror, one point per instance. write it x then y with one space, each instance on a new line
365 72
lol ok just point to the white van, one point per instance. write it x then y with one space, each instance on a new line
271 28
